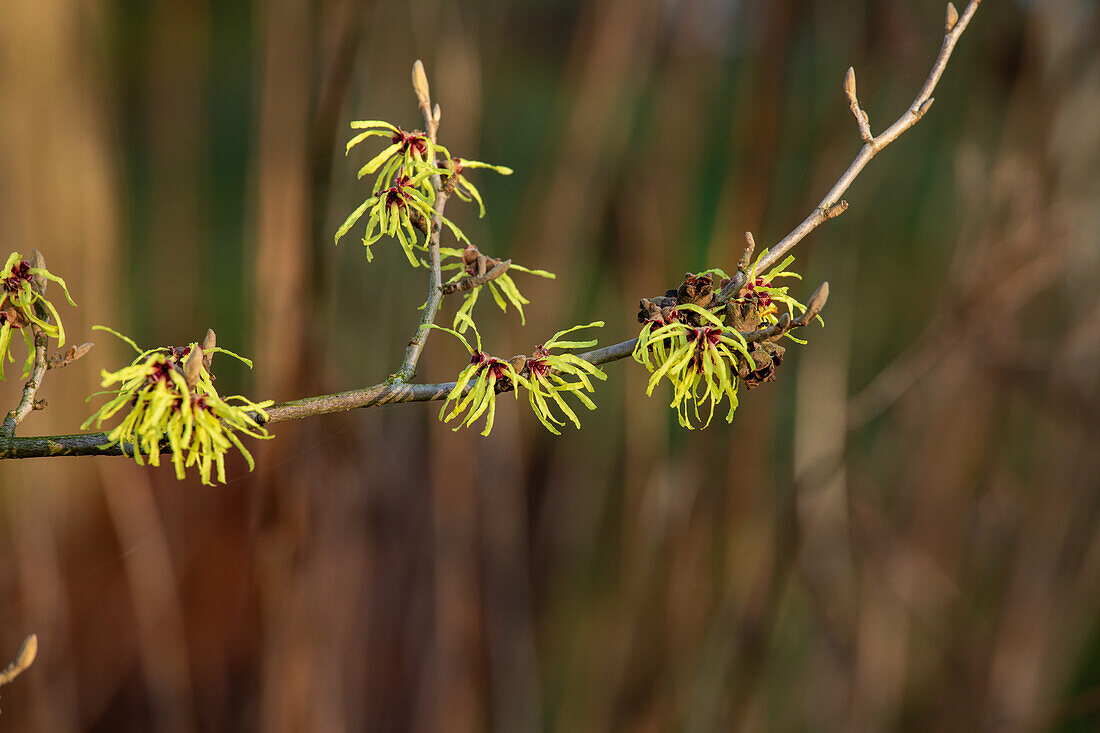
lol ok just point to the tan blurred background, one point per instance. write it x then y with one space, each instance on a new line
901 534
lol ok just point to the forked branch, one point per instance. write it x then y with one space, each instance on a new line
872 144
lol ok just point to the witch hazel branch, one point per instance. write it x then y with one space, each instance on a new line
713 334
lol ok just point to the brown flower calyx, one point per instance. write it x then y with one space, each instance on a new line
11 316
744 315
419 221
477 264
696 289
661 310
480 269
657 309
767 357
450 179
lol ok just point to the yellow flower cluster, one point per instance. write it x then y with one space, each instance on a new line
169 404
699 361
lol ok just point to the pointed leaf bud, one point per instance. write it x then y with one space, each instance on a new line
193 368
208 345
850 84
952 17
420 84
815 303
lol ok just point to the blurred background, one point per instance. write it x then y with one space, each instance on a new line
900 534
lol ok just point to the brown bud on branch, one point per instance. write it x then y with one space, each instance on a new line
193 368
952 18
862 122
814 304
74 352
420 85
850 85
208 345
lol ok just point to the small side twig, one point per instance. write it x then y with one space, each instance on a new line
473 281
853 104
746 256
60 359
732 289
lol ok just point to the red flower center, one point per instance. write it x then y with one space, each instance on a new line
762 296
538 367
416 141
20 273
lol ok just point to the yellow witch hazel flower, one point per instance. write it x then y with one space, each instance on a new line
545 375
402 189
23 304
549 375
699 361
169 401
467 191
408 154
502 288
391 212
769 297
485 375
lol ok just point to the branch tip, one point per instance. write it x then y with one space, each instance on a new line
862 121
73 353
474 281
815 303
873 145
746 256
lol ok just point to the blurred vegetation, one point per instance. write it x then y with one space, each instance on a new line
898 534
